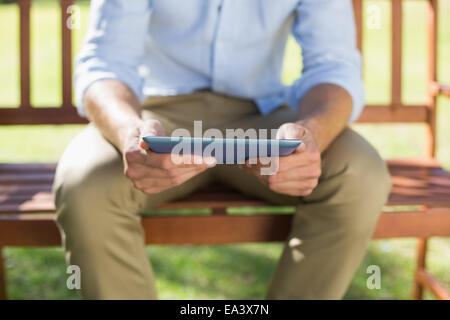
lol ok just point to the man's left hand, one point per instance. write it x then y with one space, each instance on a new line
298 173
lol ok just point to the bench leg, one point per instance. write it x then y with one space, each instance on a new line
2 276
420 265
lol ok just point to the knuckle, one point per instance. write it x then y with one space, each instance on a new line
166 163
312 184
289 126
156 126
132 156
150 191
138 184
314 155
318 172
272 179
129 156
273 187
311 173
306 192
130 173
175 181
171 173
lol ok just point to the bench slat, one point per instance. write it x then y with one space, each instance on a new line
27 188
41 230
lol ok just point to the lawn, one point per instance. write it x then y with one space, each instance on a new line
232 271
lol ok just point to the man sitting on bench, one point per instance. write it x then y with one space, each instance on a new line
150 67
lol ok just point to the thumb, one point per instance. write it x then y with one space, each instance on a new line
291 131
301 147
152 128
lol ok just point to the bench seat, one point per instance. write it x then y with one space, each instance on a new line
27 188
420 186
418 206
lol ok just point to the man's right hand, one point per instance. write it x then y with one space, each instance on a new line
152 172
116 111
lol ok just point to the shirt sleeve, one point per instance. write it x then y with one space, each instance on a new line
113 46
326 32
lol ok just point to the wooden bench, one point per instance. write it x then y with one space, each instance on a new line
26 202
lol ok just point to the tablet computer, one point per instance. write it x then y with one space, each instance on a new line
226 151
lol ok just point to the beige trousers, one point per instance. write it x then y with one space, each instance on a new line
97 206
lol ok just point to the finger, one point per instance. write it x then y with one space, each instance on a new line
191 160
146 174
291 192
177 172
299 187
159 160
151 127
135 155
261 162
140 171
292 161
301 148
153 183
297 174
285 163
144 145
169 161
132 139
291 131
297 160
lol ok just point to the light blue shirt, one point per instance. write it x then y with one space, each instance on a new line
235 47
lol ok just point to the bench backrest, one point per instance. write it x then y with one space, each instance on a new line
395 111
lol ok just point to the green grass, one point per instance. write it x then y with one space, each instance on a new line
232 271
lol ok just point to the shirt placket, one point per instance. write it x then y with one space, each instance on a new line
219 50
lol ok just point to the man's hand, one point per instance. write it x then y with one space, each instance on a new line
116 111
299 172
323 114
152 172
